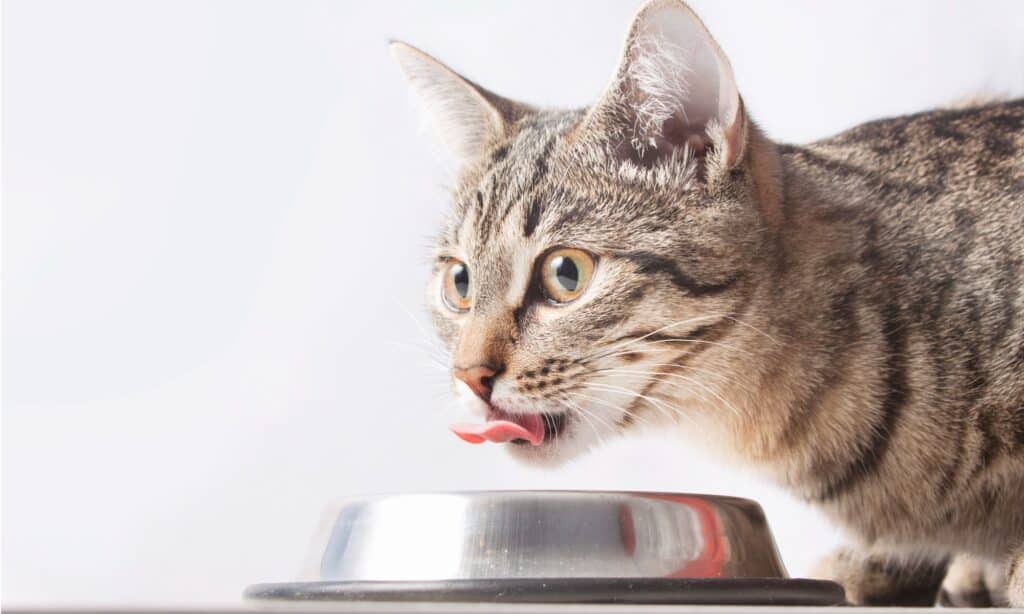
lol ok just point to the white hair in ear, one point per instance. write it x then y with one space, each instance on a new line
661 74
674 86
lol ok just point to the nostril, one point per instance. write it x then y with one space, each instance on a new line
482 384
479 379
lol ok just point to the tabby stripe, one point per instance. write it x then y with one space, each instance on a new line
712 333
990 443
974 386
1009 282
653 264
870 458
540 170
885 186
541 166
499 154
798 423
519 315
787 199
532 217
952 471
964 222
871 254
607 320
627 416
485 225
709 332
843 313
479 206
693 335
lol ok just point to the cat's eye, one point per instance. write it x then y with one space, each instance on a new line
455 287
565 274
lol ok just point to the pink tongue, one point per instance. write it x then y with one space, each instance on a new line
526 426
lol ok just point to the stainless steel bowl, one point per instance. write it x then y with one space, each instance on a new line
482 542
487 535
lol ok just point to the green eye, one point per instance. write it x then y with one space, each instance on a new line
455 289
566 273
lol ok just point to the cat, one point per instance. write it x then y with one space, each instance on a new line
846 317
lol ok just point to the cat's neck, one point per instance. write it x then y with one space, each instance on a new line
808 302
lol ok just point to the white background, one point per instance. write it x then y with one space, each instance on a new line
216 217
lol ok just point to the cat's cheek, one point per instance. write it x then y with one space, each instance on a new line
446 324
448 330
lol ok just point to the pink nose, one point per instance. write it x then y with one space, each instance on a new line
480 379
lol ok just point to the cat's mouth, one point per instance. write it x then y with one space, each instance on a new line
553 425
507 427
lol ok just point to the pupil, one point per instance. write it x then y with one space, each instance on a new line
566 272
460 277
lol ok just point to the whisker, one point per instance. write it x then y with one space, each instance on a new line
723 379
624 412
583 414
723 400
720 315
753 328
419 325
627 342
593 415
674 411
646 344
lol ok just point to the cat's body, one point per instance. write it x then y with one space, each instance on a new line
900 295
847 317
901 279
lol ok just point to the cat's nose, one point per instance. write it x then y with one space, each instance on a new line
480 379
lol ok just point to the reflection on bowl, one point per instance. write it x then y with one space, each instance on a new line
547 547
547 534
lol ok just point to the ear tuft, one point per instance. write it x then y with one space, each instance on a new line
674 89
468 116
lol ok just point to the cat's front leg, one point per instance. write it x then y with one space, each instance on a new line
873 579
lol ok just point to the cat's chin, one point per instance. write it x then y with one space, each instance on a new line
544 456
553 453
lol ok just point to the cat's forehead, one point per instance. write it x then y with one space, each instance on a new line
502 198
544 186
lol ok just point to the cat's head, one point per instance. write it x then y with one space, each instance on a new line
596 262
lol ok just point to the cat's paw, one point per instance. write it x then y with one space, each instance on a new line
975 598
879 580
971 583
1015 579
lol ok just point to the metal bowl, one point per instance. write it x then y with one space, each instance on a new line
566 545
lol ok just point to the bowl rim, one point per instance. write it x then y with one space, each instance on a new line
548 591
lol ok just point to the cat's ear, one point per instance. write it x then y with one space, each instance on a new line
674 88
468 116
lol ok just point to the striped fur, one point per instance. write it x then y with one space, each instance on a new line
847 316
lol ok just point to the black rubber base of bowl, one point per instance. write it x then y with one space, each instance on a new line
675 591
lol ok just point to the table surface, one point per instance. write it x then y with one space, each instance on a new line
479 608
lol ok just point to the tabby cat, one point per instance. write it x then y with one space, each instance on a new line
846 316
